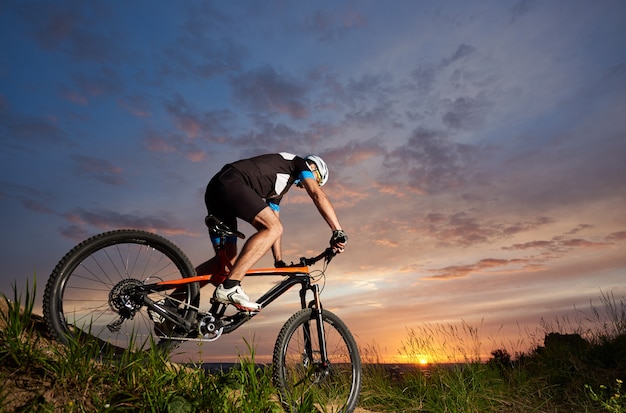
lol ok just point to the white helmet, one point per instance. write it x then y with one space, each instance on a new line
321 167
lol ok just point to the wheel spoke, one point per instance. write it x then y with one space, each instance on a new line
97 286
300 373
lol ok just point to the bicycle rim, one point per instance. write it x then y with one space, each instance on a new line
95 283
298 373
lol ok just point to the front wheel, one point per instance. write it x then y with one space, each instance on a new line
95 291
301 375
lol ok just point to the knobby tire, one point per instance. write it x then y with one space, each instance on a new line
90 286
298 374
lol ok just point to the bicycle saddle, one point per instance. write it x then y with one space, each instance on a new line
217 226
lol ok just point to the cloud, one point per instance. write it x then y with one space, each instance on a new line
544 250
74 28
368 103
74 96
137 105
103 219
104 82
575 160
165 143
426 75
266 90
345 195
354 152
155 142
386 243
561 244
617 236
431 162
101 169
458 271
37 206
79 221
203 47
370 118
571 168
19 130
464 229
268 135
75 232
198 130
521 8
210 125
199 55
101 83
330 26
466 112
463 51
369 87
31 197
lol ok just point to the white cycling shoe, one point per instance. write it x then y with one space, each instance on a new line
235 296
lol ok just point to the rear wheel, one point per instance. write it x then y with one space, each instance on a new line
299 373
94 291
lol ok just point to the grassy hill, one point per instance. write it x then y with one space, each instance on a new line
570 373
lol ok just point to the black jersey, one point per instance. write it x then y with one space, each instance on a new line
271 176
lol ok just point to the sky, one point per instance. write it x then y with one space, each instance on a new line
477 150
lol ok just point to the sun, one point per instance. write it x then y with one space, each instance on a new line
421 360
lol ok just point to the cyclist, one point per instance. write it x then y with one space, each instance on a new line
251 189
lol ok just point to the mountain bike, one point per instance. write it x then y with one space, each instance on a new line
131 290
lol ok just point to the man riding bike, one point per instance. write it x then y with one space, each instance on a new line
251 189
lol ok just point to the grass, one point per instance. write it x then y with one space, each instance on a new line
580 368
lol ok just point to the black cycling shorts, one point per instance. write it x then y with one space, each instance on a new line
229 197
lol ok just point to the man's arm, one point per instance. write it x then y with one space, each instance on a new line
324 206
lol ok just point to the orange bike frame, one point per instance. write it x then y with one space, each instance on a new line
217 279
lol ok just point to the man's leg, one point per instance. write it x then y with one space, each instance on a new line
215 264
269 230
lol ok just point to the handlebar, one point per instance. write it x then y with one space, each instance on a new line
328 254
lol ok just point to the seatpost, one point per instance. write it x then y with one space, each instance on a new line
221 251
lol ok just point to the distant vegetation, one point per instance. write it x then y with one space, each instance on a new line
580 370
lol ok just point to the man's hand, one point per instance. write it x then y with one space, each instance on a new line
279 264
339 240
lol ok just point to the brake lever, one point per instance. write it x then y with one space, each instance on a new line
329 254
305 262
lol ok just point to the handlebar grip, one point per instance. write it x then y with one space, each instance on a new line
339 237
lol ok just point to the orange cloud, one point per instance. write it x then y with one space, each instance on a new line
386 243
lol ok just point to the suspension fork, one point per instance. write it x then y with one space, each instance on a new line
316 306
